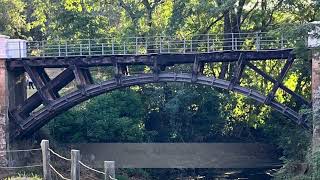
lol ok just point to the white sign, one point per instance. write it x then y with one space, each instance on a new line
12 48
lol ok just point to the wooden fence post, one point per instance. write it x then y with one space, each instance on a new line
109 170
75 166
45 159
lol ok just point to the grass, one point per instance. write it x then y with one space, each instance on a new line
25 177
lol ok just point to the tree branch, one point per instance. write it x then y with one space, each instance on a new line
128 10
249 12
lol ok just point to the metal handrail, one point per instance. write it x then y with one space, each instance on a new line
199 43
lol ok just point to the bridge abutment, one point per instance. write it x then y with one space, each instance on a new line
314 45
316 99
4 105
12 94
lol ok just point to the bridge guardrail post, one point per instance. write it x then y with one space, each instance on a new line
59 48
282 43
146 45
66 48
232 41
208 43
45 159
184 45
75 165
81 49
89 44
19 49
213 42
160 44
136 45
112 46
236 42
109 170
102 48
257 41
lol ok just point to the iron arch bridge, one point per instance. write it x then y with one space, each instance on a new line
47 102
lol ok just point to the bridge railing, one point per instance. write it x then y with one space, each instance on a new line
157 44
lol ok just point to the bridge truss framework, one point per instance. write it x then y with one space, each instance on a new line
47 103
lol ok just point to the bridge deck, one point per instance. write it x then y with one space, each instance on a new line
148 59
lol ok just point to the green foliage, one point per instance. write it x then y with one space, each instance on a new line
183 113
13 20
114 117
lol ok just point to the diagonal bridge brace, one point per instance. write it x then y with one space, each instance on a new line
40 79
279 80
283 87
237 72
33 102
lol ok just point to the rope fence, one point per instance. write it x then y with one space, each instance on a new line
58 155
109 166
91 169
57 172
108 173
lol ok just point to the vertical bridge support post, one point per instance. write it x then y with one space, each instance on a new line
314 45
12 89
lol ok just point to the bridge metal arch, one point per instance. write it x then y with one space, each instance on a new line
41 117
